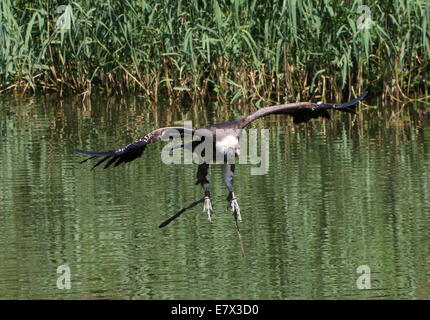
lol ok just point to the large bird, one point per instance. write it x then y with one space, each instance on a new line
224 138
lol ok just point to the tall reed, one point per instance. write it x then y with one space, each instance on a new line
236 49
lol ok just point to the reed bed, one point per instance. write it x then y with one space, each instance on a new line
229 49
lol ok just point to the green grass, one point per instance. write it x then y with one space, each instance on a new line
234 49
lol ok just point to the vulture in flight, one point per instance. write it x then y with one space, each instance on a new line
224 139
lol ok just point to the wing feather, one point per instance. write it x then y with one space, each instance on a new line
304 111
133 150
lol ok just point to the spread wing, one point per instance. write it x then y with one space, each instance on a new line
133 150
303 111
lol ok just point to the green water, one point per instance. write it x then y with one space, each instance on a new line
339 194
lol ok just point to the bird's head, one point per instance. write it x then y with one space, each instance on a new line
233 151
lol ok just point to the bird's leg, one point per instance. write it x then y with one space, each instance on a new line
228 173
203 179
207 206
234 206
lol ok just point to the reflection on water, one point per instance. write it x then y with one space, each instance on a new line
338 194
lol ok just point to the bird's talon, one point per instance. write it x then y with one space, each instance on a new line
207 207
234 206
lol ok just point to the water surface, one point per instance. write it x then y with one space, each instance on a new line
339 194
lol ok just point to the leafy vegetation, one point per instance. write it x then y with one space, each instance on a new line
235 49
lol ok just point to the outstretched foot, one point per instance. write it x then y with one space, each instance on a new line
207 207
234 206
